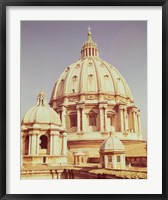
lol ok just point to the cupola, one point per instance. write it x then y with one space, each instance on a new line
90 47
41 113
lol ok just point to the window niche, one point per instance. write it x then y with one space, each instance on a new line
92 120
90 82
74 83
109 159
43 142
118 158
27 145
73 120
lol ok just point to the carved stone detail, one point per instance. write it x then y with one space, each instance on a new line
73 99
109 97
91 97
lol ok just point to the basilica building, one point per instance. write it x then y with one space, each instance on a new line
91 105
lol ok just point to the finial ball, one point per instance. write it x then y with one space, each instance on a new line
89 29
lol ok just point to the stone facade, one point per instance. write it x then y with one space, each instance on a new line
91 97
89 100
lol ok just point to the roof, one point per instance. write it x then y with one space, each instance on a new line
136 150
112 143
132 150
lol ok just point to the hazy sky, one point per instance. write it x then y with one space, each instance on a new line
48 47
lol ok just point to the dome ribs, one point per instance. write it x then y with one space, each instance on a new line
110 72
41 113
81 78
98 77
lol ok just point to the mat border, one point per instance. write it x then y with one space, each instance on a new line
3 5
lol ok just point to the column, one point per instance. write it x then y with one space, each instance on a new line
124 160
125 120
23 145
51 144
105 161
122 157
87 52
85 161
75 160
134 119
83 119
105 118
114 161
100 160
30 138
22 149
33 144
78 120
63 117
101 118
48 145
55 143
139 122
121 118
64 144
79 160
37 144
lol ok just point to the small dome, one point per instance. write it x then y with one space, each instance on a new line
112 143
41 113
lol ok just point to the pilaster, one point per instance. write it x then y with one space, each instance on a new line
64 117
55 144
134 110
30 139
80 117
103 116
64 144
78 120
125 119
121 108
139 121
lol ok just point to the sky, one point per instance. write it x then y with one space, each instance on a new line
48 47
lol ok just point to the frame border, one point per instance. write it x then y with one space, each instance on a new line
3 5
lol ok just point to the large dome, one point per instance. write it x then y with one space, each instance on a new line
91 75
41 113
91 97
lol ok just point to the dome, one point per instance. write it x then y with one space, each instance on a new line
90 75
112 143
41 113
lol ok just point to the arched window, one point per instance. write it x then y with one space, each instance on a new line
118 159
90 82
74 83
107 84
92 120
43 142
73 120
109 120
